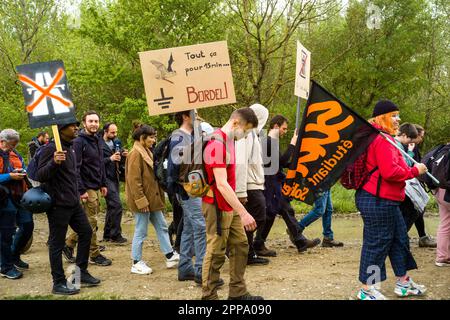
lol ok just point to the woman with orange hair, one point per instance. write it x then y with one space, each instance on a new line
378 201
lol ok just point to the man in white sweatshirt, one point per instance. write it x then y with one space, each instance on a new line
250 179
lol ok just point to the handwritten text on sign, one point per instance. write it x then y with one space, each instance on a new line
184 78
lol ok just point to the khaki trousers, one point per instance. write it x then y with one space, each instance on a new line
233 237
91 208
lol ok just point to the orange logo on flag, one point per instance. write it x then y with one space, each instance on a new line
313 147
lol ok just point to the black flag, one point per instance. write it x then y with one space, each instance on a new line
331 137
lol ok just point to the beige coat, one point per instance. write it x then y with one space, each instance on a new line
141 187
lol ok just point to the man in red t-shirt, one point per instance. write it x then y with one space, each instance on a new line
220 165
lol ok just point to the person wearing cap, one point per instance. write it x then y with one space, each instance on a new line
91 184
13 185
58 174
379 203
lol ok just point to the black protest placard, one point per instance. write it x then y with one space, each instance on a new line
48 100
331 136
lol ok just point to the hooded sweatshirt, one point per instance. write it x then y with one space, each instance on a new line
249 162
90 166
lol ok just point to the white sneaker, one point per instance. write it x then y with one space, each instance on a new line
442 263
173 262
409 289
141 268
176 255
371 294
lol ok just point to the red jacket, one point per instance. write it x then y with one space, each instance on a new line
392 167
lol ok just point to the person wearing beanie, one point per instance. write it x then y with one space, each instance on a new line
384 107
58 175
379 203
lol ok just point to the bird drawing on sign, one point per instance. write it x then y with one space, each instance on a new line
165 72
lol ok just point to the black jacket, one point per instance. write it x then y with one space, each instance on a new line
111 167
90 167
274 182
59 181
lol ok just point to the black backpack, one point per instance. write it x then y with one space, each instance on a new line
438 162
160 155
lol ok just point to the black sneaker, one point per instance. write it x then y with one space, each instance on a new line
68 254
21 265
220 282
87 280
246 296
100 261
119 240
63 289
255 260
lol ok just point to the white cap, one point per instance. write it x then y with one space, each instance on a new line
207 128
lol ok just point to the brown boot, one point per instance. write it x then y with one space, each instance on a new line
331 243
305 244
264 252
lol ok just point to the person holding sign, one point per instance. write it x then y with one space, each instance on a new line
91 183
276 203
58 174
193 236
13 186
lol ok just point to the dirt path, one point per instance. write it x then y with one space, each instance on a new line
322 273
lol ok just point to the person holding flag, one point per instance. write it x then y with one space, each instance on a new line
379 203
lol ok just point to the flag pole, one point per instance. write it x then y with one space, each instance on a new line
297 117
408 156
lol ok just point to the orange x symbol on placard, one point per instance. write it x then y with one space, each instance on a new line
45 92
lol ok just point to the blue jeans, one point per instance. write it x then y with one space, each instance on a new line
141 229
25 224
193 237
7 229
323 207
